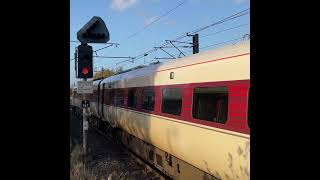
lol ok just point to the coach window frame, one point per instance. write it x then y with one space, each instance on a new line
162 96
142 100
210 121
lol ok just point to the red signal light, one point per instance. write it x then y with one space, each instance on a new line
85 70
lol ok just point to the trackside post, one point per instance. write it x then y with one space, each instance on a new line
85 124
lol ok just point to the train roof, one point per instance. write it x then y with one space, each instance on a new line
242 46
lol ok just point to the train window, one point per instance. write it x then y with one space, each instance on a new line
110 97
148 99
210 104
171 101
119 97
131 98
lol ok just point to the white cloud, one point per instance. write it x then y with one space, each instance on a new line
120 5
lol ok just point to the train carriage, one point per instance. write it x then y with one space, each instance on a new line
188 117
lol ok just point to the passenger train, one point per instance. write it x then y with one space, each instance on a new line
188 117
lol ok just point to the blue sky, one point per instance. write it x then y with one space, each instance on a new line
125 17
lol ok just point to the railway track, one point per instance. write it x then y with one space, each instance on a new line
139 168
106 156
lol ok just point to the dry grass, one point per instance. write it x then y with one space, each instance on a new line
78 170
118 176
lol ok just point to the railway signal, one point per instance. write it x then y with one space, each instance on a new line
85 64
95 31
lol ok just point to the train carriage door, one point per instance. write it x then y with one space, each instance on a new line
102 99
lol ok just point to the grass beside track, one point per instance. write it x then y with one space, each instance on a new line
78 170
